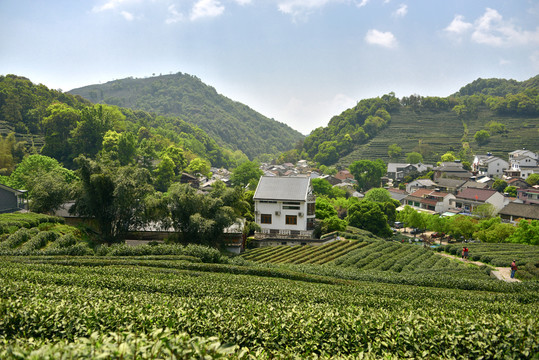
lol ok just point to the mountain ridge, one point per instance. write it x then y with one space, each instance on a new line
229 122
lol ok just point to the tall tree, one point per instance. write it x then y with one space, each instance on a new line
196 217
246 173
367 215
367 173
114 197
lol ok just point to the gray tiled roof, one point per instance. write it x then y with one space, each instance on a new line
521 210
282 188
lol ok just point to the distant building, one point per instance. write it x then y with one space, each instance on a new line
489 165
397 171
420 184
451 170
428 199
469 199
513 212
11 200
528 196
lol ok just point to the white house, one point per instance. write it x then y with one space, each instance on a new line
523 163
489 165
521 154
470 198
420 184
429 199
285 206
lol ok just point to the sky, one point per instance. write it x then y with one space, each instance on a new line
299 62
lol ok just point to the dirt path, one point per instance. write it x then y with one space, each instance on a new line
500 273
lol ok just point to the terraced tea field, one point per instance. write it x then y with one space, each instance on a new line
441 131
377 255
167 308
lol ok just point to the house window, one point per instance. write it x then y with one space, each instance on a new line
291 220
291 205
265 219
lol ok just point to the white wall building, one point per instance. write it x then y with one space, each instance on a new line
285 206
489 165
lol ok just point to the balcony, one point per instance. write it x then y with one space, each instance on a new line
283 234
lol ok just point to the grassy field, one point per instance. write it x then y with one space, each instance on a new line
442 131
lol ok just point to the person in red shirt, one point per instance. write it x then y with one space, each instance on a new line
513 269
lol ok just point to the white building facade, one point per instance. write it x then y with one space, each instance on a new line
285 206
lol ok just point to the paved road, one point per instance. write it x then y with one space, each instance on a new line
501 273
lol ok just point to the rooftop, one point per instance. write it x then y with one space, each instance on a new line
282 188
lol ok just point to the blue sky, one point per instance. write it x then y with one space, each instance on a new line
297 61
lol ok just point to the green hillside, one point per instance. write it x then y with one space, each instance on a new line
433 133
230 123
36 116
505 111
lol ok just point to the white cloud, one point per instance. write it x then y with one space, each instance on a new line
504 62
385 39
491 29
174 15
206 8
109 5
401 11
243 2
127 15
300 8
362 3
458 25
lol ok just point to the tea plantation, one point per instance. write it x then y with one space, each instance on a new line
355 299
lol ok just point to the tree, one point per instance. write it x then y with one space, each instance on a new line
499 185
533 179
394 151
333 223
323 187
367 215
527 232
448 156
198 166
511 191
324 209
378 195
57 126
177 156
196 217
48 192
485 211
368 173
164 174
482 137
245 173
462 226
113 196
414 158
87 137
127 148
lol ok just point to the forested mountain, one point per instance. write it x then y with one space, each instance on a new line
64 126
498 87
230 123
493 115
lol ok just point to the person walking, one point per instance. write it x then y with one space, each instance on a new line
466 253
513 269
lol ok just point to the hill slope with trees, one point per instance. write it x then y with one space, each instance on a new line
230 123
487 115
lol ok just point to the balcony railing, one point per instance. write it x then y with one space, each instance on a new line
283 234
